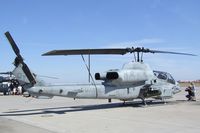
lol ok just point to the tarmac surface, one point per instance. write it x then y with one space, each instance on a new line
64 115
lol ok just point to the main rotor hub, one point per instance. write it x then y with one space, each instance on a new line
138 50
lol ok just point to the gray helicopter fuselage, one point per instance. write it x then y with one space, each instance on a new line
132 78
85 91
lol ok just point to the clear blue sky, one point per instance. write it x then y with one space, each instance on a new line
42 25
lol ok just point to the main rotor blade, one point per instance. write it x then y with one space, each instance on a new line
120 51
50 77
169 52
146 50
14 45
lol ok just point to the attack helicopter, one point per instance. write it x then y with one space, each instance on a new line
136 80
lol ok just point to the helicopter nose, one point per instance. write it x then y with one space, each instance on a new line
176 89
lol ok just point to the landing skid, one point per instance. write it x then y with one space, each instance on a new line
147 102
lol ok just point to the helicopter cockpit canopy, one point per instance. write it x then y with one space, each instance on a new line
164 76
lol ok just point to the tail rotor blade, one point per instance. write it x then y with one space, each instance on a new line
14 45
28 73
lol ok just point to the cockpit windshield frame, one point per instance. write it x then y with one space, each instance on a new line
164 76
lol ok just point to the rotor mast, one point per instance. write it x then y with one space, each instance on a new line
138 57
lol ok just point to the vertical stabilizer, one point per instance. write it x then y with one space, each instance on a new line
20 75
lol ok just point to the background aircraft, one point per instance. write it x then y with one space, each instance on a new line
135 80
7 83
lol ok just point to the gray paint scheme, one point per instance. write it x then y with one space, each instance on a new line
133 77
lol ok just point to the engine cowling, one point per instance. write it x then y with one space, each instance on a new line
125 77
107 76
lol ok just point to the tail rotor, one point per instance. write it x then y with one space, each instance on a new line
19 62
